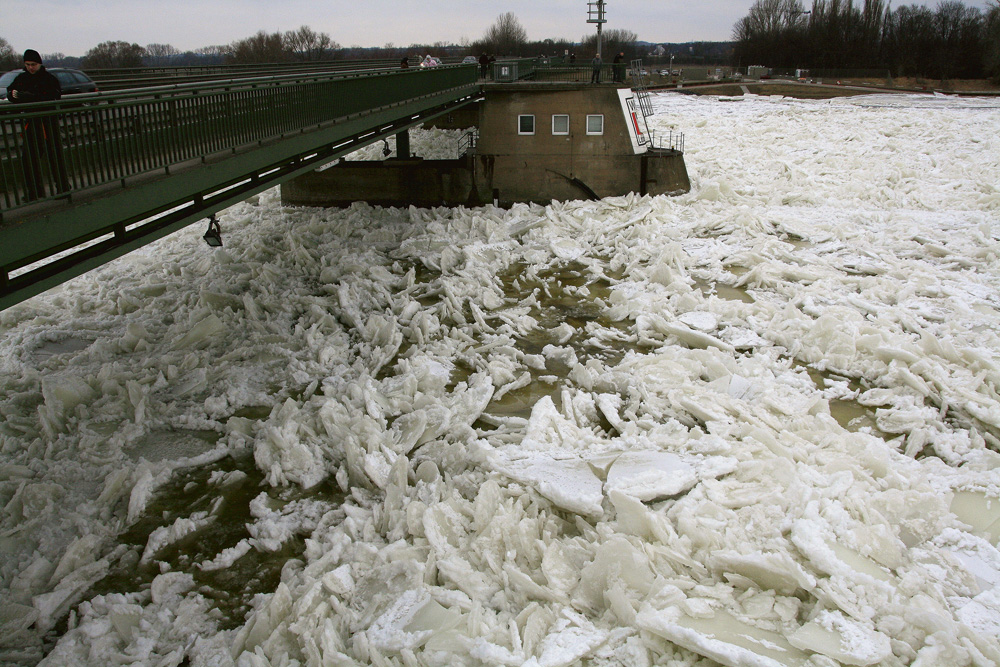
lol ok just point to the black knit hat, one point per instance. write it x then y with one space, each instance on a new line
31 56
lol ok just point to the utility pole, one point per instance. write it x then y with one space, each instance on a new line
595 14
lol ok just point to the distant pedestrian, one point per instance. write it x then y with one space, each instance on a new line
572 59
484 65
404 63
595 69
618 67
41 135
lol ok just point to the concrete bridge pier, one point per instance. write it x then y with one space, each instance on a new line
537 142
403 144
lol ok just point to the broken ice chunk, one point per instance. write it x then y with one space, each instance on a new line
843 639
690 337
569 483
339 581
201 333
125 619
170 586
610 405
724 638
573 638
617 561
982 614
830 557
700 320
771 571
977 556
413 619
650 475
979 511
549 429
560 572
16 618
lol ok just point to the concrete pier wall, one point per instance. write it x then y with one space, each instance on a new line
413 182
537 142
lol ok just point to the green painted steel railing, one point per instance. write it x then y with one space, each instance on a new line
57 150
140 77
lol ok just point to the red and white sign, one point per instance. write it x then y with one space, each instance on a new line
633 118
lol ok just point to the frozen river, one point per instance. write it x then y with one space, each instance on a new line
757 424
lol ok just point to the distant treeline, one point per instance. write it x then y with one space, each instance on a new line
506 37
952 41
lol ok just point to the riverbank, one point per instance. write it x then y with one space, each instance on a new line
841 88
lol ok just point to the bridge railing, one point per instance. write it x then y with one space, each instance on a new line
139 77
57 150
554 69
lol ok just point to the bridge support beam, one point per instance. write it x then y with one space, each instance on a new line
403 145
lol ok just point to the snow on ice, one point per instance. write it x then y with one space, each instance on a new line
757 424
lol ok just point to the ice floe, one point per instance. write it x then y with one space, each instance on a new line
606 432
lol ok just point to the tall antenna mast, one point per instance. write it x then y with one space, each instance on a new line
595 14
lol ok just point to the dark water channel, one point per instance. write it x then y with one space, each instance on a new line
197 491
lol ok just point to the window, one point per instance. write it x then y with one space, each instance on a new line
595 124
526 124
560 124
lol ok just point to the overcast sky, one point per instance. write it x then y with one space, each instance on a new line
73 27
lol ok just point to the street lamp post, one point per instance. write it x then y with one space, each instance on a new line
595 14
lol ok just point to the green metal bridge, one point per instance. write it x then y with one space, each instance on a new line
93 177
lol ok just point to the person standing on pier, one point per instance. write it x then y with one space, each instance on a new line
595 69
619 67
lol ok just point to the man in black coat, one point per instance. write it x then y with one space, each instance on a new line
41 135
35 83
619 66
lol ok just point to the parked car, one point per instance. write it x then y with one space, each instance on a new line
469 59
72 81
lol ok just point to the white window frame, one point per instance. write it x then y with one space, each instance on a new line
526 115
560 132
595 115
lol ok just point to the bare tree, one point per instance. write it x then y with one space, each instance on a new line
506 36
960 40
160 54
114 55
261 48
8 57
216 50
307 44
952 41
614 41
992 39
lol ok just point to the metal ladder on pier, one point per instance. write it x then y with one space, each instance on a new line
675 141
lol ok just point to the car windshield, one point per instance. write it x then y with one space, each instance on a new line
8 77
